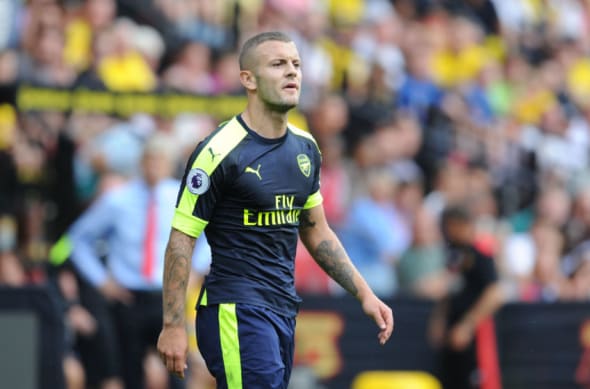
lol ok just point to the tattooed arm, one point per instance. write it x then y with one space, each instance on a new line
177 268
326 249
173 341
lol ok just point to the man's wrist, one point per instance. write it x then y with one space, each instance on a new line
469 322
174 319
364 293
173 324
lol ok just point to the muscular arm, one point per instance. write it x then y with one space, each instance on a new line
173 340
177 268
326 249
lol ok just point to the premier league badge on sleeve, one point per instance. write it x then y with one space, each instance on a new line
197 181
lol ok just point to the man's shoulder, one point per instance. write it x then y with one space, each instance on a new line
225 130
301 133
218 145
304 136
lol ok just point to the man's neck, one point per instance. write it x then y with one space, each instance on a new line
267 123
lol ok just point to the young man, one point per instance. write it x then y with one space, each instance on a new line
252 185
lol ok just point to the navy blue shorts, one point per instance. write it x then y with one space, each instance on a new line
246 346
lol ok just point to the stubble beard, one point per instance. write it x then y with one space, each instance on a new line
274 102
280 105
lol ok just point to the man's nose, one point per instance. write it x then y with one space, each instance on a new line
291 70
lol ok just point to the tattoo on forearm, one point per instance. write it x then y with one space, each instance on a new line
176 273
331 257
305 220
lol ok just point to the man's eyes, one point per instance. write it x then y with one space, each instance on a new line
281 63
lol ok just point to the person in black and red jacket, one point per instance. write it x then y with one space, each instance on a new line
474 296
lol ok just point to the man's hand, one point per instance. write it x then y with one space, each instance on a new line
173 348
115 292
328 252
381 313
460 336
81 320
436 332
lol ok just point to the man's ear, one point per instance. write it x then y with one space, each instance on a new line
248 80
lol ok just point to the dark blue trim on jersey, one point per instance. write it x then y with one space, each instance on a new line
259 137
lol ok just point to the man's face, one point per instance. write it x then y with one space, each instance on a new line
278 74
156 167
458 232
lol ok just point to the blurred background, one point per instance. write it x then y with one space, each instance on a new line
416 106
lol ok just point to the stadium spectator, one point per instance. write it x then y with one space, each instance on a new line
577 228
191 71
310 33
123 67
84 23
531 258
449 185
375 233
421 268
224 75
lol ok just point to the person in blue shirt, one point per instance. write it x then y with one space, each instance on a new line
133 223
253 187
375 234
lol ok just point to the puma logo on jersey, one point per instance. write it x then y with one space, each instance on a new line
213 154
254 171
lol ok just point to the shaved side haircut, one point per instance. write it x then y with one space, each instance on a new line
245 59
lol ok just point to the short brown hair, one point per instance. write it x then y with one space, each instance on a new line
255 41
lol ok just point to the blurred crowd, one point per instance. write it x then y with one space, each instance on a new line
416 106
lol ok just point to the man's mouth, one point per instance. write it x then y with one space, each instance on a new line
291 86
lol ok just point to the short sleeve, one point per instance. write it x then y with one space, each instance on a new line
204 179
315 198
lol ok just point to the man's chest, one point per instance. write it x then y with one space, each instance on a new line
277 178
